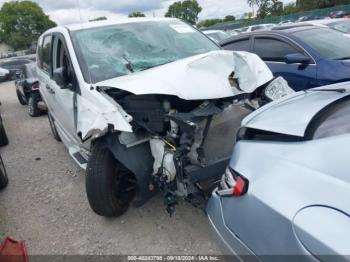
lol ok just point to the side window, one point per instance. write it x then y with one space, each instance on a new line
270 49
39 54
240 45
46 54
61 60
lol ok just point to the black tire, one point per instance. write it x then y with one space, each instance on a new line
110 187
53 127
3 136
33 109
20 98
3 175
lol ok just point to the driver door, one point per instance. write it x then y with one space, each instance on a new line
65 95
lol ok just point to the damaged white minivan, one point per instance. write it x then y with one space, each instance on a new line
148 105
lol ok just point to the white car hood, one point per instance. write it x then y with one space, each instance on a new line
204 76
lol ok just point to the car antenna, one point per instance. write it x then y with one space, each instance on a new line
82 26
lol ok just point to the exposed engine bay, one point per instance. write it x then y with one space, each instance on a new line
190 140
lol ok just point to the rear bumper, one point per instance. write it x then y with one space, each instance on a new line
230 244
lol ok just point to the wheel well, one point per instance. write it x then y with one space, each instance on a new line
138 160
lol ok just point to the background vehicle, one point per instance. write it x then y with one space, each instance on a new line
340 14
253 28
272 199
342 25
128 108
3 142
3 136
306 56
27 89
3 175
217 35
4 74
15 65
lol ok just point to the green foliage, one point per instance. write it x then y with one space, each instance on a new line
22 23
187 10
306 5
137 14
214 21
100 18
229 18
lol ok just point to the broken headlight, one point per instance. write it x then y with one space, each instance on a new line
277 89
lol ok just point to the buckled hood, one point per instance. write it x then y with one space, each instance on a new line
205 76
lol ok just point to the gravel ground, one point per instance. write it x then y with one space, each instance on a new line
45 202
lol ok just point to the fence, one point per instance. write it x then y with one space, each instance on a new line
277 19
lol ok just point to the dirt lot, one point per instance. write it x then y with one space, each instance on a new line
45 202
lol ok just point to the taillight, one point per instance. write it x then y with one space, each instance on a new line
35 86
233 184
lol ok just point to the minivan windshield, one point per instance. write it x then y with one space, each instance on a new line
328 43
112 51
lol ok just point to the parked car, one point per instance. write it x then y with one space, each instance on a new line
283 192
143 104
340 14
253 28
341 24
3 175
308 18
3 136
305 55
15 66
27 90
4 74
217 35
3 142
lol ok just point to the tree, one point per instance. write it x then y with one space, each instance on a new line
252 4
187 10
229 18
137 14
100 18
22 23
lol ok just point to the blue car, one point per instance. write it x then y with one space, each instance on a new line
306 56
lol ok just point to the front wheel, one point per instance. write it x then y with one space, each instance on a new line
3 175
110 187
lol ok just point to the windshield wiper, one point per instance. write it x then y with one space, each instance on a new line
339 90
344 58
152 66
129 65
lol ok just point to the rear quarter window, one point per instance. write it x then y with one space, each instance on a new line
333 121
239 45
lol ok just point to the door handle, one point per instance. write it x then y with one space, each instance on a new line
49 89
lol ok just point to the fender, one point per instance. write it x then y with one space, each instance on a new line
138 159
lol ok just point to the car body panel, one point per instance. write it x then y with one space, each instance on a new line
182 78
314 236
288 182
276 117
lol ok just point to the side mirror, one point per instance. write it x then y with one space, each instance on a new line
297 58
60 77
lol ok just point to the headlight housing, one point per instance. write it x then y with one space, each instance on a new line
277 89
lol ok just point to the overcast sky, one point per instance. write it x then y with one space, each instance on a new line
67 11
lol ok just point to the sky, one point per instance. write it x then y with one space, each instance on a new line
67 11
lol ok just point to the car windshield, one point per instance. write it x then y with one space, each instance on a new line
117 50
330 44
342 26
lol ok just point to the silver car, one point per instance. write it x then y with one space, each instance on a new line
286 190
